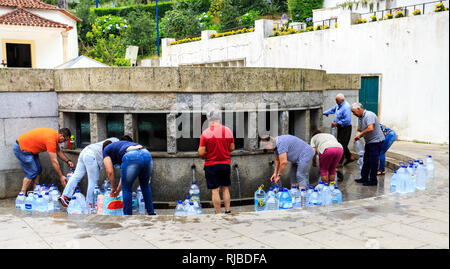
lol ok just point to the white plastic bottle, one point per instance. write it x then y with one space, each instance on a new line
286 201
337 196
20 201
41 205
194 192
326 195
190 209
272 202
48 201
319 186
295 193
141 202
315 198
309 193
359 164
430 167
393 181
74 207
179 209
421 177
403 178
260 199
29 201
303 198
97 192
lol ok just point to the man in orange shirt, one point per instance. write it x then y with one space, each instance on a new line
216 143
29 145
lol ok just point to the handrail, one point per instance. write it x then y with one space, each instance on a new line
403 8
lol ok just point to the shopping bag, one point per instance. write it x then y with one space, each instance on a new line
112 205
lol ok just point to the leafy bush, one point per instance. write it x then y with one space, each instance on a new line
303 8
228 16
163 7
249 18
182 21
142 33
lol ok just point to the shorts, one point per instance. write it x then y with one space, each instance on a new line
217 175
30 162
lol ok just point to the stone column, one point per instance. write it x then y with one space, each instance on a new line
251 142
130 125
284 122
307 125
98 127
65 42
165 54
171 133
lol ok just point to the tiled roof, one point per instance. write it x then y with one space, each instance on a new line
24 17
35 4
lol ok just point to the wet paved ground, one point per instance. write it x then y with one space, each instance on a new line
418 220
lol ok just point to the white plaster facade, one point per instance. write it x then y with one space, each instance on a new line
48 42
411 56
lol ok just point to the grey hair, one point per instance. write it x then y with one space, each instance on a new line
357 106
340 96
213 114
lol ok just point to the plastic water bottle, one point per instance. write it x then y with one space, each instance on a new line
134 203
326 195
260 199
70 174
315 198
285 199
319 186
393 182
359 164
82 201
37 189
336 196
421 177
74 207
197 207
41 204
403 180
295 194
179 209
303 198
106 185
141 201
194 192
430 167
29 202
20 201
272 202
333 131
48 201
190 209
186 202
359 147
331 185
411 186
54 194
309 193
97 192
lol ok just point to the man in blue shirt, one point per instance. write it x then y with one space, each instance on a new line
343 121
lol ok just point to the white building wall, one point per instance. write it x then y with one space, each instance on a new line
413 95
48 43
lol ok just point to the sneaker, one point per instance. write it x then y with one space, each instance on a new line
64 200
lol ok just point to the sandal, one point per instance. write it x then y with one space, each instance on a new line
379 173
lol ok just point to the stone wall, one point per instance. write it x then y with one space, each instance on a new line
52 98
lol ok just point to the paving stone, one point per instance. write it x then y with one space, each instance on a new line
414 233
332 239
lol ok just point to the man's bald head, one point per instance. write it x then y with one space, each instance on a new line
340 98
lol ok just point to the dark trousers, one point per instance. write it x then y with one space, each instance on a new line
343 137
371 157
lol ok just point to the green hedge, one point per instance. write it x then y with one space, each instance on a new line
163 7
302 9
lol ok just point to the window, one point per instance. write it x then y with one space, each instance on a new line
114 125
189 140
152 131
83 130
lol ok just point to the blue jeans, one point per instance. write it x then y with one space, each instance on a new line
371 158
300 170
388 140
87 163
29 162
136 163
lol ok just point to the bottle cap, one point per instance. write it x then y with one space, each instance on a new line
21 194
326 184
46 193
40 196
74 198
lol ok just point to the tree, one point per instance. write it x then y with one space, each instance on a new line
182 21
302 9
228 16
142 33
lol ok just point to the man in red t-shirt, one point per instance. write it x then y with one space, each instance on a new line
216 143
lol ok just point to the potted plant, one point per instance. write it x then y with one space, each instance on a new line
416 12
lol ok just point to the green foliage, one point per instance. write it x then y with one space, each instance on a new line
228 16
249 18
107 40
182 21
299 10
122 62
163 7
142 33
215 7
